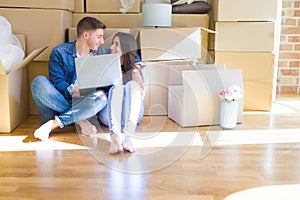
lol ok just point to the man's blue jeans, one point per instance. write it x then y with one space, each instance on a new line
50 103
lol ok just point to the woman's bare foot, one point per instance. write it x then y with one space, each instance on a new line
86 127
127 144
43 132
116 143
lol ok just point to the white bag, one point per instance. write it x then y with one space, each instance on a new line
11 52
126 5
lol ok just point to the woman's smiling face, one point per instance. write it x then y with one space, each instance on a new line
116 46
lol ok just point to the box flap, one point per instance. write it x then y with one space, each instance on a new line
27 60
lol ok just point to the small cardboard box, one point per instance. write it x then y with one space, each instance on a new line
246 36
14 93
109 6
197 102
247 10
158 44
175 71
44 4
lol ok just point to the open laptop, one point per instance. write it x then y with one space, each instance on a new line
98 71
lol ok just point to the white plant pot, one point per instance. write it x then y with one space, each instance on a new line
229 112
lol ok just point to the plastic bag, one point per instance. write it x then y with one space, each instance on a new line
126 5
11 52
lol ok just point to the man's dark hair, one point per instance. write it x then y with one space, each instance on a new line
87 24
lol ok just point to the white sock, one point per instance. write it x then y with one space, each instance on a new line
43 132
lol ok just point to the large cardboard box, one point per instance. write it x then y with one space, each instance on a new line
246 36
42 27
197 102
170 43
134 20
247 10
156 80
259 74
35 68
45 4
14 93
109 6
108 34
79 6
259 96
115 20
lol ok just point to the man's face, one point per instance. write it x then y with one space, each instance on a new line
95 38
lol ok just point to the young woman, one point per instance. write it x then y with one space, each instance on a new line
125 108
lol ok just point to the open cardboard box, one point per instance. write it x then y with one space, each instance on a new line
14 92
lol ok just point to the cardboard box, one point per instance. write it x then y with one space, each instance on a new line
246 36
45 4
259 74
259 96
14 93
42 27
35 68
255 66
131 20
197 102
108 34
156 80
109 6
175 71
79 6
247 10
170 43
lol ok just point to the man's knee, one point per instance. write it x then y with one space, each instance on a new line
38 82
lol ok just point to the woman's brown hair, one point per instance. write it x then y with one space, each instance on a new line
129 50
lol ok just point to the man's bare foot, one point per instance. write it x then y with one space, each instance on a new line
116 143
86 127
127 144
43 132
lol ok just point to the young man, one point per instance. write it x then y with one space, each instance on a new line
57 99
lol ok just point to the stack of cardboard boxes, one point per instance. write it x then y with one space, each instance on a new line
45 23
155 43
247 38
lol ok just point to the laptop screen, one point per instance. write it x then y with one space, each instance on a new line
98 71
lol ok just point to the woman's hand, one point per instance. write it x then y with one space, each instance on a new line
76 92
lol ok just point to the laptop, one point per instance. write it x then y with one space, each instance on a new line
98 71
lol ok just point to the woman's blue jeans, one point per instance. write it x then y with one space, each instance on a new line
50 103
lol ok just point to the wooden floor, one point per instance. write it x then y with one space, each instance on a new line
198 172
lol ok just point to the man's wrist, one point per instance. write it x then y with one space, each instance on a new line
70 89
